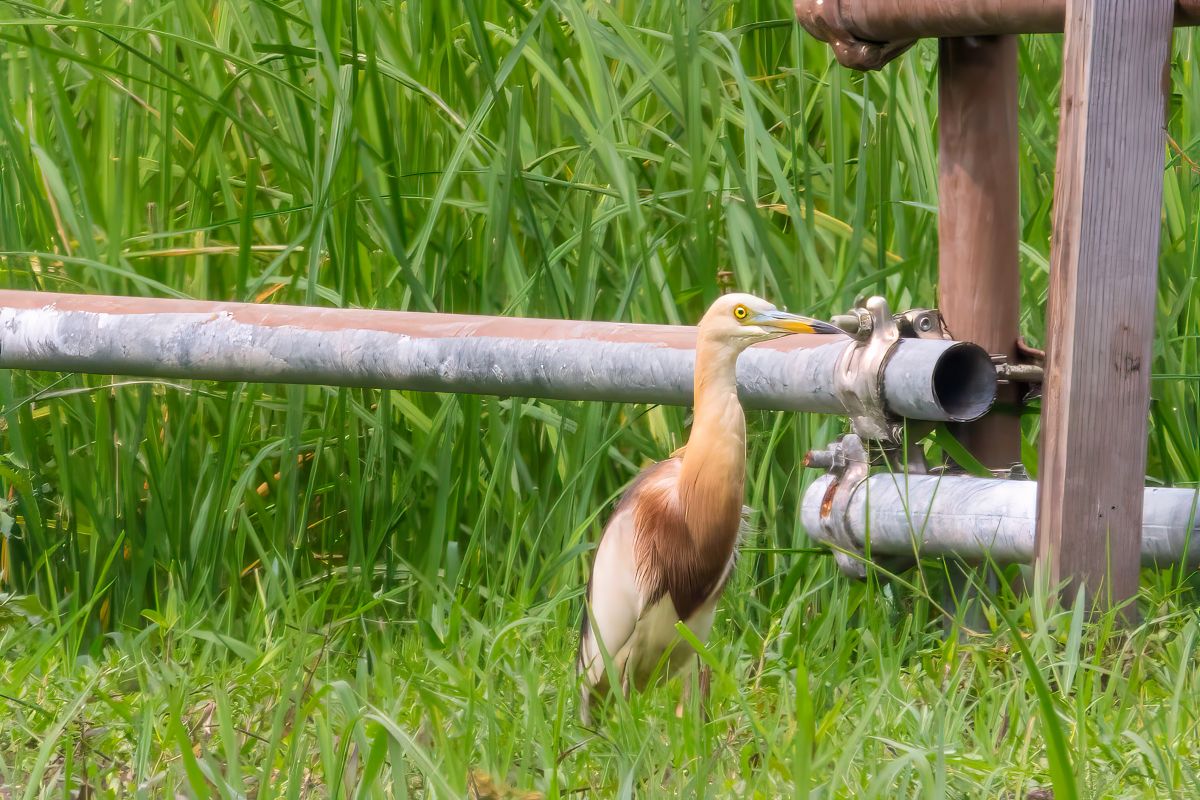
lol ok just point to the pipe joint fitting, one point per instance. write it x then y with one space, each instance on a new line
848 466
858 380
885 375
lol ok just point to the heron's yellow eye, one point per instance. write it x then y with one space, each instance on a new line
740 312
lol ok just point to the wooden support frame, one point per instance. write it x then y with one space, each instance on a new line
1108 195
979 219
1103 274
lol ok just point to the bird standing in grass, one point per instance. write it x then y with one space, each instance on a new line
669 547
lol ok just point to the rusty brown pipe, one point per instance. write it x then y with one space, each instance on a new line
866 34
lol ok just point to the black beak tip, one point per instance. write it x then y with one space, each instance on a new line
825 328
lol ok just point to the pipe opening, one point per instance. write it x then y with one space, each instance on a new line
964 382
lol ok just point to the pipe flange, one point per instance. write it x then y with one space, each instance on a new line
858 379
848 466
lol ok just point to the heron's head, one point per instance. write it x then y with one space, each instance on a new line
741 320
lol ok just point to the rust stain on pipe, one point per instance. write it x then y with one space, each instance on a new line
418 325
827 498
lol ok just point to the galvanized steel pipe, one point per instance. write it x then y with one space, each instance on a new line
559 359
977 518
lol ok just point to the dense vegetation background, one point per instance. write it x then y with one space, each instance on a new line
253 590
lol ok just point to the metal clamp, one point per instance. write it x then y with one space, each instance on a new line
858 380
848 466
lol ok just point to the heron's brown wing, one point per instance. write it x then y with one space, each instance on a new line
615 594
669 560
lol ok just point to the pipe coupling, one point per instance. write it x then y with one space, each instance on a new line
858 380
847 466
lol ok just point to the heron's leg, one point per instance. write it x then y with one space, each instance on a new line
689 680
585 706
697 676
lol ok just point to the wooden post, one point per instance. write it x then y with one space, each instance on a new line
979 230
1107 201
979 218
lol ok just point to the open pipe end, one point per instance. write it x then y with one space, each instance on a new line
935 379
964 382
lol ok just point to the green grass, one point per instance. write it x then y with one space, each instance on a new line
252 590
850 691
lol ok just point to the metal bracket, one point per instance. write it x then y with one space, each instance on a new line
922 323
847 463
1020 373
1029 369
1016 472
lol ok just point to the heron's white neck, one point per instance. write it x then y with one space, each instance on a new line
714 462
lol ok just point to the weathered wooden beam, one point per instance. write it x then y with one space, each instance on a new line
866 34
1107 201
979 218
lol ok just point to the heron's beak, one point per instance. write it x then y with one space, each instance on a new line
791 323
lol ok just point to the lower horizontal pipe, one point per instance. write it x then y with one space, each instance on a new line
978 519
557 359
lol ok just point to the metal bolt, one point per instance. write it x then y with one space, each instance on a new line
850 323
819 459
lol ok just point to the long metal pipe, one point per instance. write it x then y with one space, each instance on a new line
560 359
978 518
898 20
